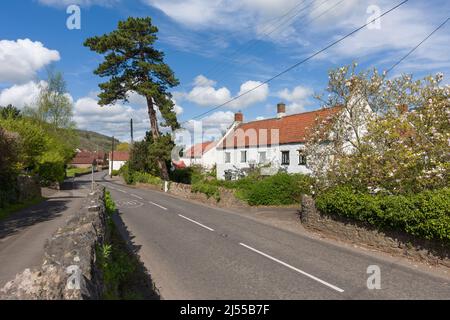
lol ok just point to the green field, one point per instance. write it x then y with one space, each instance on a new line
70 172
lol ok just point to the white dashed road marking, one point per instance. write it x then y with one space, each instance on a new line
293 268
155 204
201 225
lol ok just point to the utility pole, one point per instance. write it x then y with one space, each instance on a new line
112 158
131 127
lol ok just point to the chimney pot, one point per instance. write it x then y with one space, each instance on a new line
281 110
238 117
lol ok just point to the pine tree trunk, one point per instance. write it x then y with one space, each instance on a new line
155 134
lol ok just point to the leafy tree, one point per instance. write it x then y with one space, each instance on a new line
123 146
144 154
400 147
9 112
132 64
53 105
40 149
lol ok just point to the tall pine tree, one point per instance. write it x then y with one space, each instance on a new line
132 64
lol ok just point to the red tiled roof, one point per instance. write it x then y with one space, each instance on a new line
87 157
197 150
179 164
120 156
291 129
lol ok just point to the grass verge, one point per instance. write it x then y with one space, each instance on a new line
70 172
124 275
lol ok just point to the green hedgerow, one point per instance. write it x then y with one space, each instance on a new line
208 189
425 214
279 189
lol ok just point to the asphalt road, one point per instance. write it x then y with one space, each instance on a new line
198 252
23 234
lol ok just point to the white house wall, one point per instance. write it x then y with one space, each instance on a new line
116 165
273 156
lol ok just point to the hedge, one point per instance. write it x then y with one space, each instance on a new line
279 189
425 214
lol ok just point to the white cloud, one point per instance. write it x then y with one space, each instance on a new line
301 29
296 94
208 96
115 119
223 13
110 120
21 95
256 95
202 81
21 59
211 127
205 94
298 98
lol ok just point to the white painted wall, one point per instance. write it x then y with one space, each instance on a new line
273 156
207 161
115 165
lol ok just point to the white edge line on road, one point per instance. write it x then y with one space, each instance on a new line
155 204
293 268
136 196
201 225
121 191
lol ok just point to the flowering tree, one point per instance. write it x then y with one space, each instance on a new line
391 135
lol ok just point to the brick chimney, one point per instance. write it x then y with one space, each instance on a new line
281 110
238 117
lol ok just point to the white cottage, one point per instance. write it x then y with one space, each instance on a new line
117 160
276 143
204 154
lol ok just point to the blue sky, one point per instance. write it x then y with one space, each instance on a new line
217 48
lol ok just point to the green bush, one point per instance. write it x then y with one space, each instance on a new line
209 189
181 175
425 214
126 173
279 189
144 177
110 206
115 172
51 172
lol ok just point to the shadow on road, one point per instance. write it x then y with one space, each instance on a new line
45 211
142 282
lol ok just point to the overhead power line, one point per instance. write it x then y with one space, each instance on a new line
266 31
300 62
417 46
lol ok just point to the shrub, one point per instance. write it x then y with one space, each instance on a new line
144 177
51 169
181 175
209 189
126 173
110 206
425 214
115 172
279 189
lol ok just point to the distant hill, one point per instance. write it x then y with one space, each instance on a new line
93 141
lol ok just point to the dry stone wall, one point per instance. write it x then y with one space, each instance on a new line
393 242
69 269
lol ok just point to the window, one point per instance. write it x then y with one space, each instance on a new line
243 156
285 157
227 157
262 156
301 158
